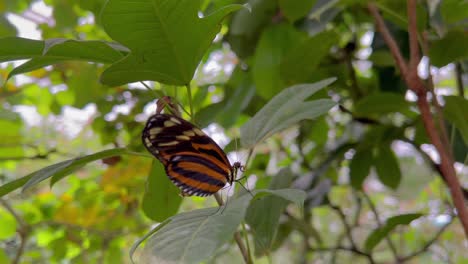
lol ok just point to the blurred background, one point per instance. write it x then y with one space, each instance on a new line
361 164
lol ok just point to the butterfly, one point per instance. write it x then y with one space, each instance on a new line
192 160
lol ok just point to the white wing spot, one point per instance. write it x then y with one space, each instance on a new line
198 131
155 130
148 142
169 123
175 120
189 133
182 137
170 143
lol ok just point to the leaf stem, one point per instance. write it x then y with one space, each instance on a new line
189 93
237 236
156 94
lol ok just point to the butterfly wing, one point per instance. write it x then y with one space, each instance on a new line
193 161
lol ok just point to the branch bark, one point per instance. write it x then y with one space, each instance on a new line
410 75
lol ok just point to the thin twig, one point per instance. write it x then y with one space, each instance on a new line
350 249
347 227
458 74
379 225
428 244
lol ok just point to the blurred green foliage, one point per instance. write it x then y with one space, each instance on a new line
373 192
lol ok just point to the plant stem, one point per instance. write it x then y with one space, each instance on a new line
237 236
189 93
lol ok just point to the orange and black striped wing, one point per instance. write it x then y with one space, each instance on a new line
193 161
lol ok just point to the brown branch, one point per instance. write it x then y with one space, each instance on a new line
413 38
392 45
379 225
414 83
435 101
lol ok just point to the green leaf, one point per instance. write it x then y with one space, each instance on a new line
238 99
382 103
11 144
382 58
4 257
64 15
387 167
450 48
64 168
194 236
360 166
161 199
453 11
247 25
301 62
275 42
380 233
52 51
6 30
285 110
12 48
295 9
263 214
167 39
7 225
13 185
456 112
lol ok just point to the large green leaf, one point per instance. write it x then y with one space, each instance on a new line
295 9
285 110
52 51
6 28
359 167
12 48
241 91
58 170
382 103
453 11
387 167
263 214
247 25
450 48
380 233
275 42
13 185
456 111
167 39
193 236
299 63
161 199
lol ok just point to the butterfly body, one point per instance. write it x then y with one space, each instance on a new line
192 160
